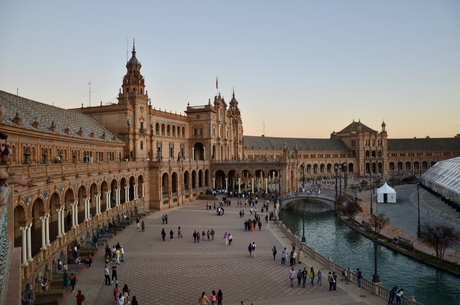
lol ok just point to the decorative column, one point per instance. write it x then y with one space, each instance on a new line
74 214
59 212
204 153
108 204
252 185
43 220
266 185
136 190
29 243
62 220
193 153
143 189
98 204
213 183
24 245
126 194
47 231
118 192
239 185
86 203
226 184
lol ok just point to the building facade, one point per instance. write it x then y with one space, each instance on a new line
92 166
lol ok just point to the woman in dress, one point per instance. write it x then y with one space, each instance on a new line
203 299
126 292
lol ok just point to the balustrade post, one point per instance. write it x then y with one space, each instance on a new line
42 220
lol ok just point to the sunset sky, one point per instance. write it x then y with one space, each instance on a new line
299 68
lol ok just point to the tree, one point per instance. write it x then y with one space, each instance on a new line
457 136
379 221
439 237
351 208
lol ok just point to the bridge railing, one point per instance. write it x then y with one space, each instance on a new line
375 288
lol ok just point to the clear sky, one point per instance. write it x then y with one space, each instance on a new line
299 68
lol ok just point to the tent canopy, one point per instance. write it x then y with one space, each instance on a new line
385 194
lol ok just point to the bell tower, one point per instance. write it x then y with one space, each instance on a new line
134 99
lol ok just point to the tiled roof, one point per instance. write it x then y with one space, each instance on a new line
254 142
424 144
32 112
354 127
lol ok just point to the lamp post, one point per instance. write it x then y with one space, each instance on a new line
345 165
303 221
419 232
370 191
303 177
336 169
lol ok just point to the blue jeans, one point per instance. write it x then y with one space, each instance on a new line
304 281
359 282
292 282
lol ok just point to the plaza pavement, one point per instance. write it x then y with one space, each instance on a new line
176 272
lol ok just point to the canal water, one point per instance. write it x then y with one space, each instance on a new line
325 232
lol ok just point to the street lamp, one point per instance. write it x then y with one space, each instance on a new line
370 191
419 234
345 165
303 221
336 169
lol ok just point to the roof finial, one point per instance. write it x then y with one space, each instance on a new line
233 91
134 47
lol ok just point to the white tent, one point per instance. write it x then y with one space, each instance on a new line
386 194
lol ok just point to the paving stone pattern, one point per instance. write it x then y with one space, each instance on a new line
176 272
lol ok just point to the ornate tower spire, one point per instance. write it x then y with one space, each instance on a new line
133 87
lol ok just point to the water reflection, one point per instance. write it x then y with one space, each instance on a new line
332 238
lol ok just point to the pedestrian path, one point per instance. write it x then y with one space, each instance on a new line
176 272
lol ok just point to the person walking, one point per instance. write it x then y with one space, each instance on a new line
330 279
134 301
212 234
254 249
225 238
274 253
220 296
73 281
114 273
163 234
250 249
166 218
143 226
179 232
312 275
66 279
304 276
334 282
203 299
171 235
299 277
300 256
392 294
292 276
230 239
107 275
126 292
137 222
116 293
213 298
359 276
284 257
80 297
320 276
399 296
